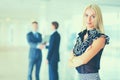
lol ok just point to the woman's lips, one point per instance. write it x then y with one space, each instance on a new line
89 23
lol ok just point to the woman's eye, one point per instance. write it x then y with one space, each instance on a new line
86 15
93 16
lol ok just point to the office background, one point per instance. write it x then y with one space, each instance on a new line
15 22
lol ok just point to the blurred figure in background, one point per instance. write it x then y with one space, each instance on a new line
34 39
89 44
53 52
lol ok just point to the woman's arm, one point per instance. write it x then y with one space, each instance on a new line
96 46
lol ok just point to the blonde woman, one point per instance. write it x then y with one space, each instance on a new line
89 44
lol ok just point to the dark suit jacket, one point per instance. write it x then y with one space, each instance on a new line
53 48
33 42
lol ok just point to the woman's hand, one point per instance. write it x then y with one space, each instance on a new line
71 56
70 63
74 61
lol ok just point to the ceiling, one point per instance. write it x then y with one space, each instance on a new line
30 9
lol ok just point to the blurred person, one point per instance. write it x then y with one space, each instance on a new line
89 45
53 52
34 39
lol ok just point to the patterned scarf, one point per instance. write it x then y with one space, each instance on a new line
81 46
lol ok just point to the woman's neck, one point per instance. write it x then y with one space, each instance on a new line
90 28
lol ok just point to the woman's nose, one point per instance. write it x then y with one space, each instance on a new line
89 19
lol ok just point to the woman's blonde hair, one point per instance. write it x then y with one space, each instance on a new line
99 21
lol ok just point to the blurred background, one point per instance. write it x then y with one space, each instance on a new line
15 22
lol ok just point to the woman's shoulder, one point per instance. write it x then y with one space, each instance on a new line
106 37
95 34
102 35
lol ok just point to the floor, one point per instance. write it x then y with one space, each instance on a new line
14 66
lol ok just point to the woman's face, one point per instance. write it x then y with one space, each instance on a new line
90 18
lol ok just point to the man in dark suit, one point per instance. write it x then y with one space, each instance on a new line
34 39
53 52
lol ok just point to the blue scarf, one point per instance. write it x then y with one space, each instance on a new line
81 46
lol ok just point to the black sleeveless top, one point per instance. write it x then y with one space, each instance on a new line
94 64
